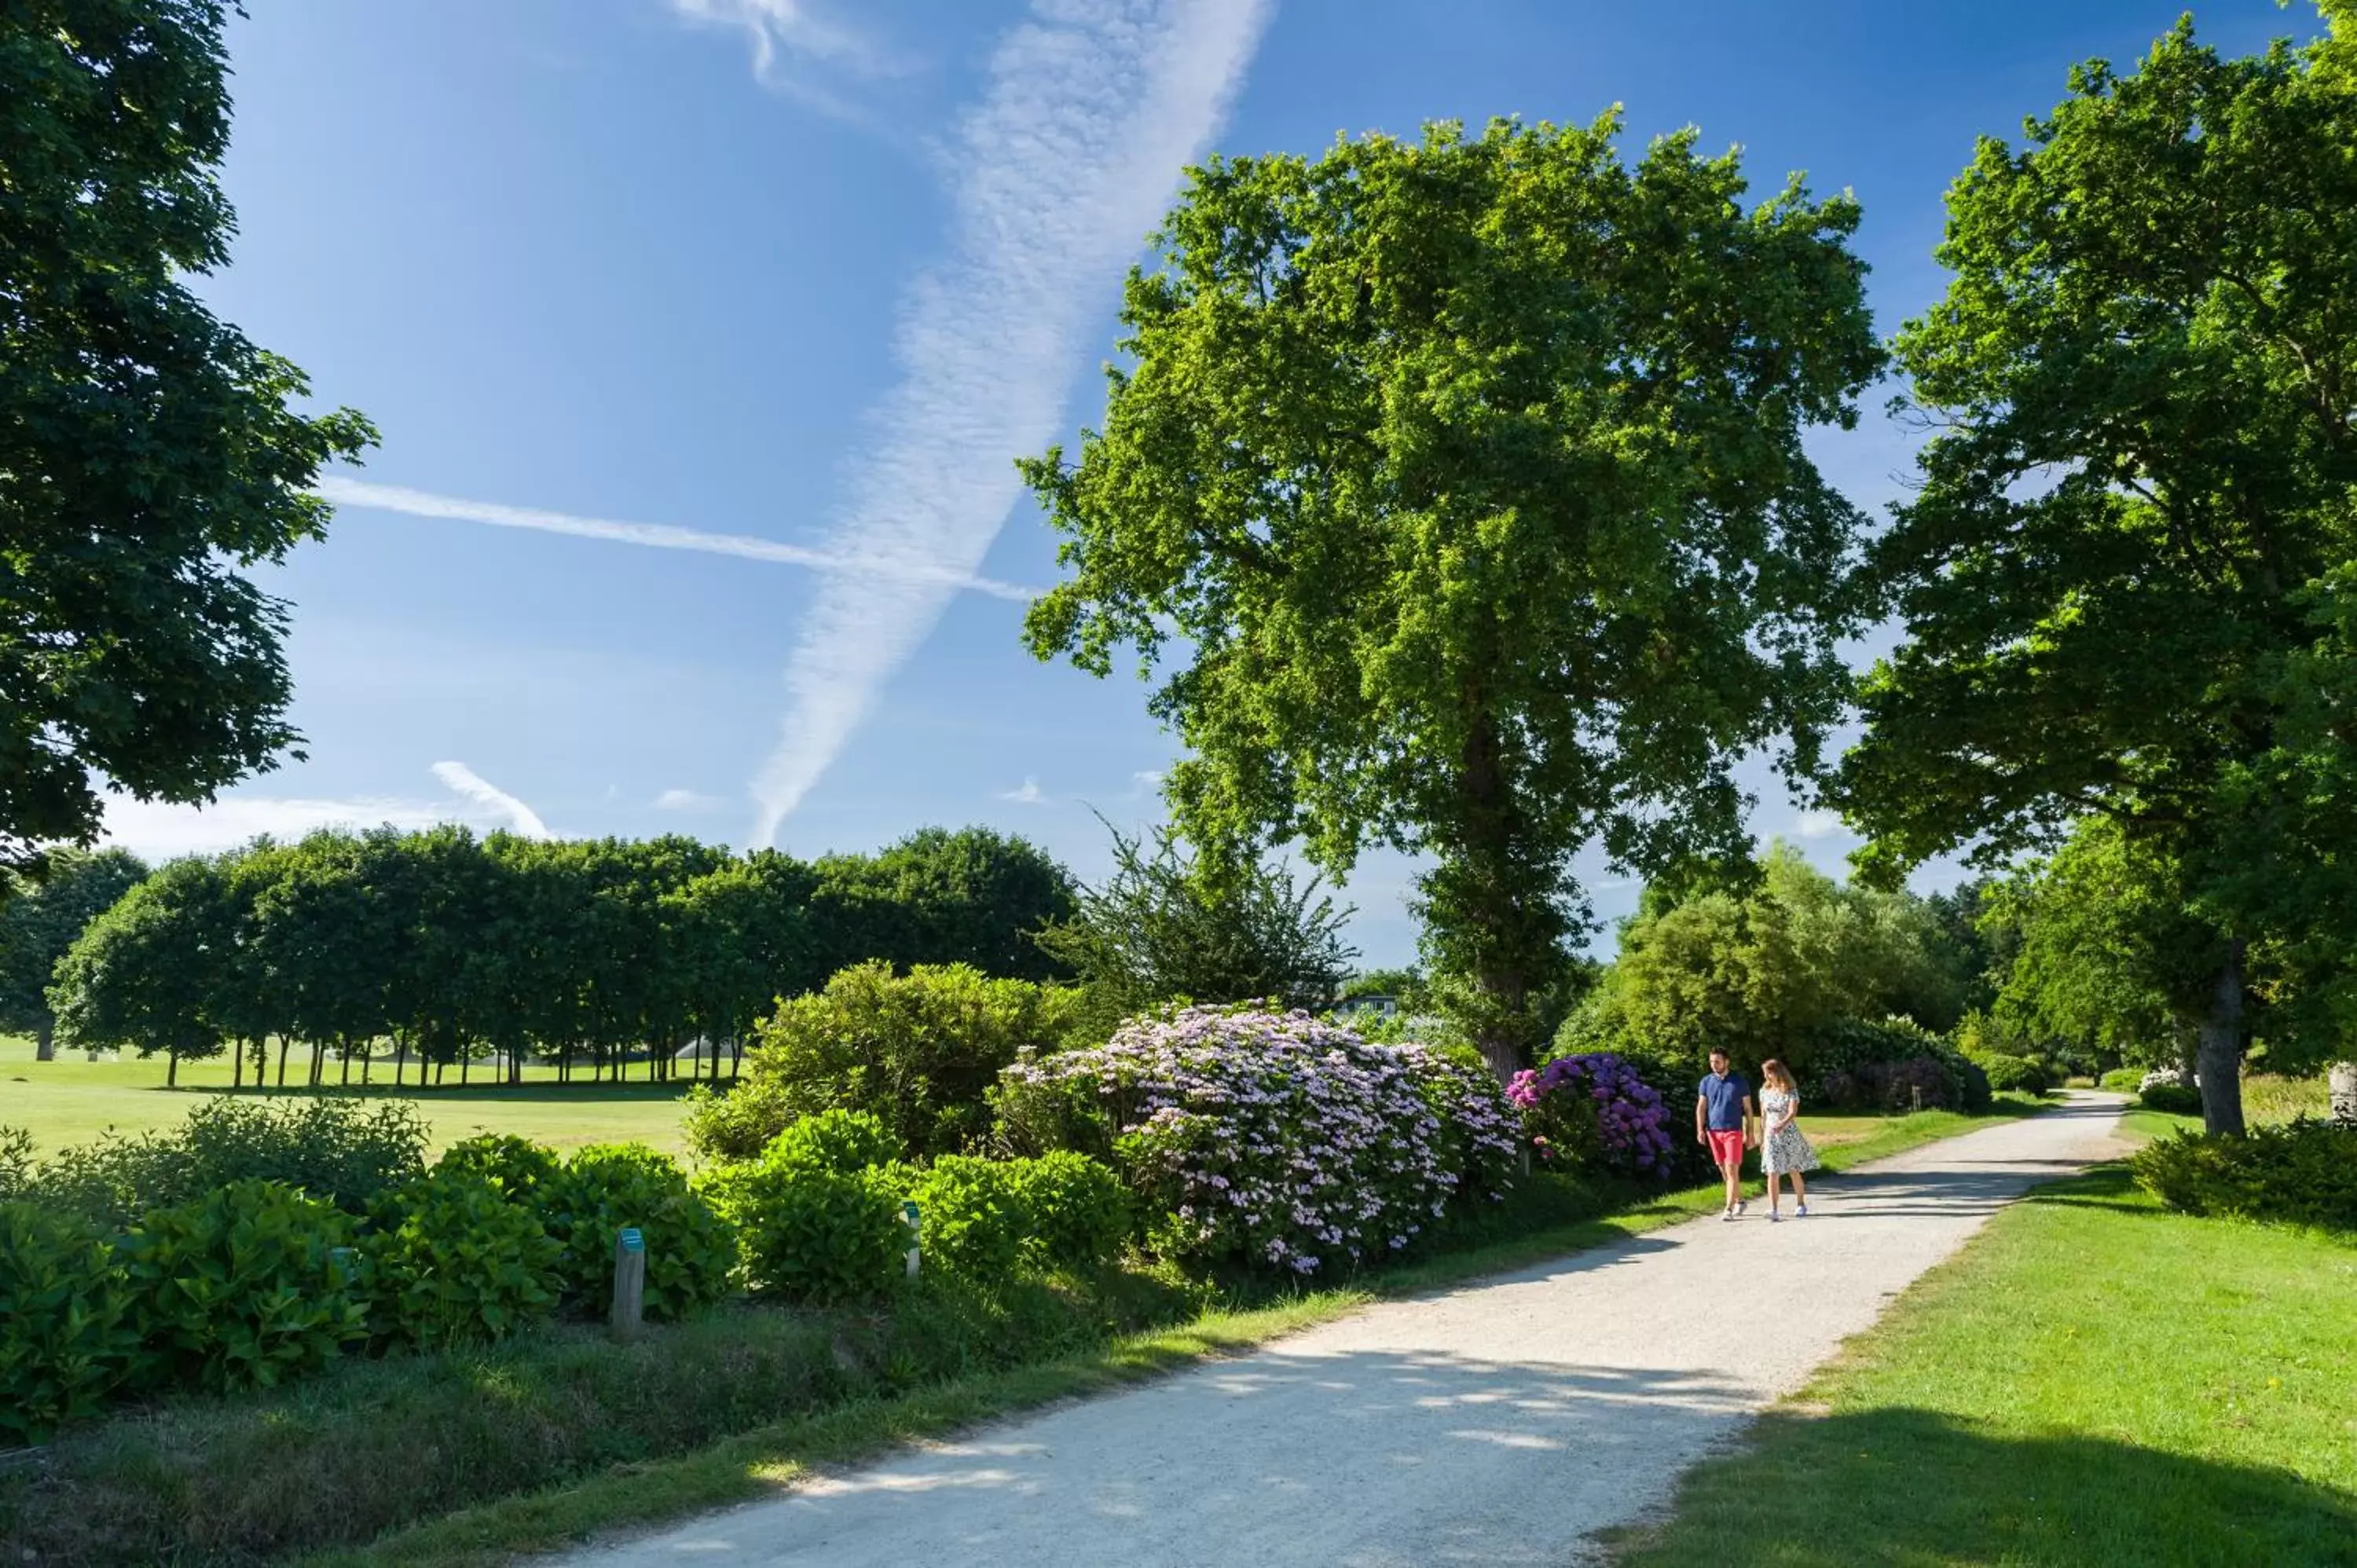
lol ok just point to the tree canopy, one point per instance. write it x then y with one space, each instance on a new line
148 452
2123 576
1467 478
39 920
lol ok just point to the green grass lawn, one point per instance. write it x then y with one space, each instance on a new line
2092 1382
73 1099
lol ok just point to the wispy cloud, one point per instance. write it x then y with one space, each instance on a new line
686 801
804 48
657 536
161 831
1818 825
461 779
1027 794
1092 108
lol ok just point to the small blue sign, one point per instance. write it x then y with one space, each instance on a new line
909 1211
632 1241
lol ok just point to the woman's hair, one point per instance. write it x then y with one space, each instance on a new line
1775 1072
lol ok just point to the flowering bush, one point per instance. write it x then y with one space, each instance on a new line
1593 1109
2171 1090
1270 1141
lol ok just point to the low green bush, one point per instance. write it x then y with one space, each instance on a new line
842 1142
453 1261
2014 1075
809 1232
2122 1081
1080 1209
347 1152
607 1187
2176 1099
919 1052
736 1122
518 1166
2302 1172
975 1215
241 1288
19 1170
66 1336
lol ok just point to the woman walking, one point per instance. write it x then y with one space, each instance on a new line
1782 1150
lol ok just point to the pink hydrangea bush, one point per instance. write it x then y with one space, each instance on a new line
1591 1110
1274 1142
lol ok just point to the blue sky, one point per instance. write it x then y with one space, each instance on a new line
669 263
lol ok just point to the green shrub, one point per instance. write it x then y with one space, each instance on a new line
807 1232
975 1215
2303 1172
2015 1075
1079 1207
844 1141
18 1173
736 1122
606 1186
919 1052
517 1166
2122 1081
453 1261
347 1152
2176 1099
66 1337
241 1288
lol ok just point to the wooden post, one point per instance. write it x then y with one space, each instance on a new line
629 1283
908 1213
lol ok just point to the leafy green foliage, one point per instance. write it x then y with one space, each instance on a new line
66 1337
1078 1208
344 1152
2302 1172
1164 928
605 1188
807 1232
2124 577
241 1288
937 897
737 1121
2170 1098
452 1261
1469 477
919 1051
40 921
517 1166
2010 1074
844 1141
975 1215
1770 969
147 451
2122 1081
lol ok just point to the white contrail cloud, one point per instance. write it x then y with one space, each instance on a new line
461 779
1093 106
655 535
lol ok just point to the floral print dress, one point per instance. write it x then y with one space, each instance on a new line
1785 1150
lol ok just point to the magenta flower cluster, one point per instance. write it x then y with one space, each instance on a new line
1281 1142
1593 1107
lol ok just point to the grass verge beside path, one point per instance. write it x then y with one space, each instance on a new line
2091 1381
586 1437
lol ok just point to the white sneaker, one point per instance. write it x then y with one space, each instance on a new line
1775 1217
1740 1205
1801 1212
1724 1214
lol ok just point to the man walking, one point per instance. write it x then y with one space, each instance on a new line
1724 1121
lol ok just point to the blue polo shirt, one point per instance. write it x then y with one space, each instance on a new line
1723 1099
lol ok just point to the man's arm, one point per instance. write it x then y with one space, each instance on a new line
1750 1121
1700 1104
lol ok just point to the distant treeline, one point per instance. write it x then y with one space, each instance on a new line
449 950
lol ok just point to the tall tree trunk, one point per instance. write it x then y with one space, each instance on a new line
367 1061
172 1070
1475 889
2341 1082
236 1065
2221 1050
344 1051
45 1041
282 1060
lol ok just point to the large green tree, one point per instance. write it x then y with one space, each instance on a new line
1463 483
39 920
148 452
143 975
2135 510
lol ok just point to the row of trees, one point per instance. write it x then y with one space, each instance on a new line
1463 487
587 953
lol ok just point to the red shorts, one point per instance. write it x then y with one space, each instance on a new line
1726 1147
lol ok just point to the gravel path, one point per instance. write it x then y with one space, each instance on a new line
1500 1423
